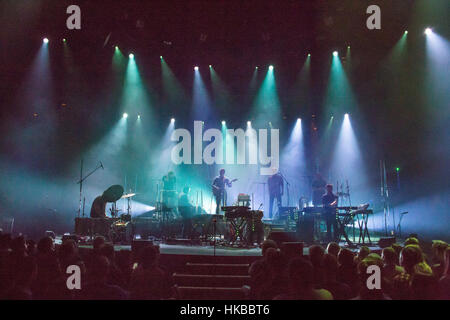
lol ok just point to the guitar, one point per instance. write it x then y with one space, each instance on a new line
217 191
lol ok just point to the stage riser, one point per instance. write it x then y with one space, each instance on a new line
199 280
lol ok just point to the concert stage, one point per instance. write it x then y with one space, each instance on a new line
224 251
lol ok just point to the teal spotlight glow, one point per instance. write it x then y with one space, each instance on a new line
309 54
210 66
335 53
64 40
256 67
139 116
406 31
271 67
125 115
160 57
223 122
45 40
131 56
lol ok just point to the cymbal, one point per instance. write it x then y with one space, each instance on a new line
113 193
129 195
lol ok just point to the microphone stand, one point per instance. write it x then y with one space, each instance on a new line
80 182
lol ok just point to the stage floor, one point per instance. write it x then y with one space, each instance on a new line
208 250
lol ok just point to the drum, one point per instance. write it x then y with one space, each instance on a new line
121 231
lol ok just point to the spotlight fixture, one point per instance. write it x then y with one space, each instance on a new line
271 67
116 47
139 116
335 53
256 67
406 31
249 123
125 115
160 57
172 120
64 40
210 66
196 68
299 119
45 40
309 54
346 115
428 31
223 122
131 56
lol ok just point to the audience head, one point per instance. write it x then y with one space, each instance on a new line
330 265
316 253
363 252
410 256
411 240
389 256
100 269
274 259
45 245
107 250
18 245
438 249
258 271
372 259
149 256
98 243
447 261
345 258
266 245
333 248
398 248
301 274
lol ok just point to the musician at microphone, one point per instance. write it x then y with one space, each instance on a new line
329 202
218 187
186 210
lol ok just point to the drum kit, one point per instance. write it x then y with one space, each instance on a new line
120 229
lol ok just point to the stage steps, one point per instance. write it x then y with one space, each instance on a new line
210 293
206 280
217 268
212 281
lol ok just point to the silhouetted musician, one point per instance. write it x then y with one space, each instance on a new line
329 202
218 189
276 189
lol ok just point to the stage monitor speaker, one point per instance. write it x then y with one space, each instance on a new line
386 242
292 249
282 236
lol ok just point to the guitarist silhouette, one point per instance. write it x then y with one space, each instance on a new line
218 189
